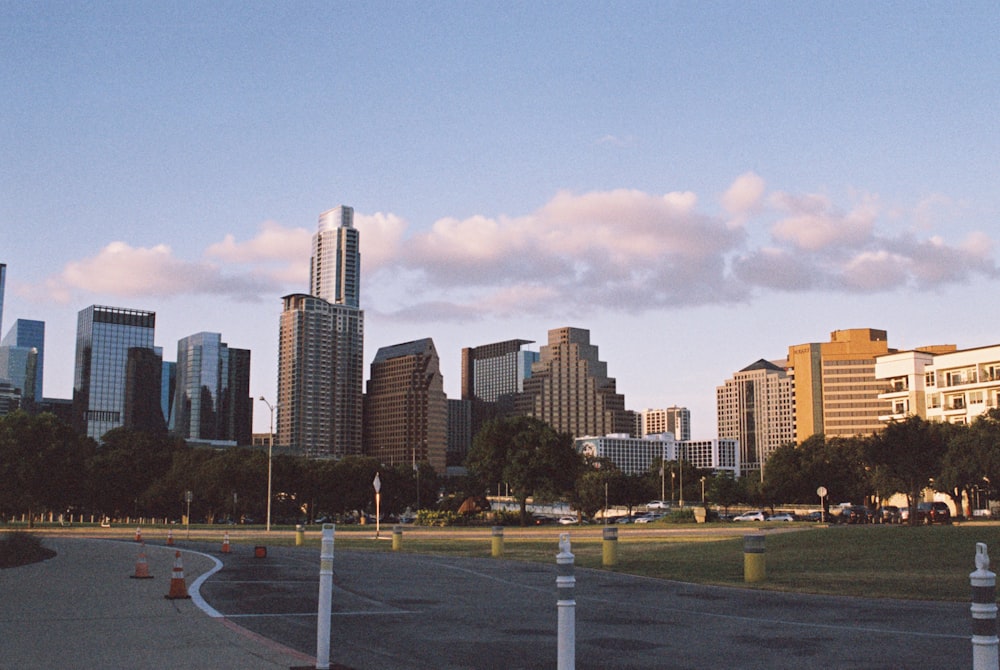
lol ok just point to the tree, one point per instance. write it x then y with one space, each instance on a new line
910 451
42 464
972 459
527 454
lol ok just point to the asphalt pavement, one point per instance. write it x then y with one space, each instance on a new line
395 610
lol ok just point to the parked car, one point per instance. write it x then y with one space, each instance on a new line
568 520
781 516
759 515
933 512
658 504
888 514
648 517
856 514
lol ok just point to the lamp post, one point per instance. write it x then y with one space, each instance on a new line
270 444
680 491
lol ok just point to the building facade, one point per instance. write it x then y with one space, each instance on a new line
756 407
335 264
836 392
941 383
104 336
406 409
492 374
28 334
633 455
321 348
212 401
319 414
676 420
570 389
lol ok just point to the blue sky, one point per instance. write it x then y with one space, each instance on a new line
699 184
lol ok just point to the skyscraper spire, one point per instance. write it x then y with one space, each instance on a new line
335 265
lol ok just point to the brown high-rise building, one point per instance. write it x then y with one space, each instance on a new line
319 377
406 409
570 390
836 392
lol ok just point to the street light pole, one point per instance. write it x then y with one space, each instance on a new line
680 466
270 444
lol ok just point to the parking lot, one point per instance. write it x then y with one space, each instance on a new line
399 610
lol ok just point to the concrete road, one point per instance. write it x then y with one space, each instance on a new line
402 611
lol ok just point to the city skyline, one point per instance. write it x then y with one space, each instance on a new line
700 187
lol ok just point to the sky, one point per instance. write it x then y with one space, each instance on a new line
701 185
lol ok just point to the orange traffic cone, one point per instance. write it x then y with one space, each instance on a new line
225 543
138 534
141 566
178 587
170 538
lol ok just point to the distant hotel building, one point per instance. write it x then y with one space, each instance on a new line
212 402
406 410
940 383
570 389
321 348
676 420
634 455
836 392
104 337
757 409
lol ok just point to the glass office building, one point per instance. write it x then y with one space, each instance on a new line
104 336
211 397
28 334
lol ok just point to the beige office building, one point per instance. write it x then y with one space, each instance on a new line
569 388
676 420
836 392
756 407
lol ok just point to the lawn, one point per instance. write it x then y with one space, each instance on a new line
924 563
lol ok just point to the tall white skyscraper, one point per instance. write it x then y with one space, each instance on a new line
321 347
335 265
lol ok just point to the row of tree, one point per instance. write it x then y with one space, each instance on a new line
45 466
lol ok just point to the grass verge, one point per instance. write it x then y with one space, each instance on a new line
21 549
921 563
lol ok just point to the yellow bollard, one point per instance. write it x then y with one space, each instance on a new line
754 565
397 538
497 548
300 535
609 548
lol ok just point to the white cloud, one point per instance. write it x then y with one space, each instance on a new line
744 196
814 223
621 250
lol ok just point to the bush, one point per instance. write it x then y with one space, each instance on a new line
680 516
21 549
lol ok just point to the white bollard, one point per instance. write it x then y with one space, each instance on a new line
325 599
984 613
565 585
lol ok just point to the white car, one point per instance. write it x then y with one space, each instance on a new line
751 516
658 504
783 516
568 520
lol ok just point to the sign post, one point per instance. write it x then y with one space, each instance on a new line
821 492
377 484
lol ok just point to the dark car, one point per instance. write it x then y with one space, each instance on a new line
933 512
888 514
856 514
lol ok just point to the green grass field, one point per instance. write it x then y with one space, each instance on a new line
923 563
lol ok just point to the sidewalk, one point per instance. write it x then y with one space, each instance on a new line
81 609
